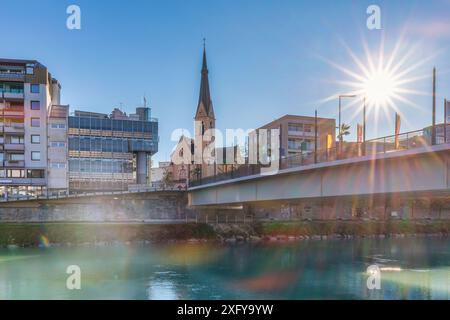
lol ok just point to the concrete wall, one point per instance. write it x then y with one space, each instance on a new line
348 208
118 208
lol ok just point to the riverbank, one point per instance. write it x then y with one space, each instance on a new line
48 234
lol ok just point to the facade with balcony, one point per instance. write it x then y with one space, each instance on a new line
298 136
26 91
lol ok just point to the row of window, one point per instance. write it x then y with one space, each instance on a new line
100 165
98 144
300 144
112 124
300 127
17 87
22 173
35 139
35 156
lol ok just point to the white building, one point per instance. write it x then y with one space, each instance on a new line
27 94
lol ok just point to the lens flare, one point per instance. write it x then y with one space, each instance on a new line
43 241
384 80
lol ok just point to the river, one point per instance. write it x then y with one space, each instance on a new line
411 268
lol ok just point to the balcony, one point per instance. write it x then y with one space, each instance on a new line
14 163
12 76
12 112
16 128
23 181
14 95
14 147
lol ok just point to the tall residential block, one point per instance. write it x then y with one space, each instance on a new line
27 94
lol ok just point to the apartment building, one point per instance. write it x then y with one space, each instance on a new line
27 92
110 152
297 134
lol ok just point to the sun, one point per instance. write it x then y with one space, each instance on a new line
382 81
379 88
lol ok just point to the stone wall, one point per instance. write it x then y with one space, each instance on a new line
347 208
168 205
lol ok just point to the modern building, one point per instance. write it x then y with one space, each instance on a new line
27 95
110 152
297 134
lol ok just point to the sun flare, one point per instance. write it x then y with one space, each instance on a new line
379 88
385 81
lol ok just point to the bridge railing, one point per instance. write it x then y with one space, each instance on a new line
347 150
63 195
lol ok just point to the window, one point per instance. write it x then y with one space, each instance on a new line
296 127
15 173
57 144
2 157
35 122
35 105
58 165
35 155
17 157
34 88
35 173
308 128
35 138
30 69
58 126
17 140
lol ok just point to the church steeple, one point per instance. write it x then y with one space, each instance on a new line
205 106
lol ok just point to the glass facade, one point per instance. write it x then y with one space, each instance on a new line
107 124
103 150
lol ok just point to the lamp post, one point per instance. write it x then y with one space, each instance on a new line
364 118
340 108
340 112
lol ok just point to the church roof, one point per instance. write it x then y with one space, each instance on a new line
204 99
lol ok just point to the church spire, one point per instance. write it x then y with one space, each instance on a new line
204 99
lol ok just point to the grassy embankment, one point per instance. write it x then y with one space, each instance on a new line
354 228
79 233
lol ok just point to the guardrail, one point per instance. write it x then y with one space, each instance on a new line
50 196
404 141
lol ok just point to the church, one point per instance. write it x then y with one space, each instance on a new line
187 162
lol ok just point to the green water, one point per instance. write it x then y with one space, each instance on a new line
420 269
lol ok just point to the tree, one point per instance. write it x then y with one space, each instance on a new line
196 172
344 130
167 177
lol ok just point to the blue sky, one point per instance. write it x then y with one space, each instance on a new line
266 58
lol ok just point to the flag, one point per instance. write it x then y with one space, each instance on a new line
359 132
329 141
397 129
447 111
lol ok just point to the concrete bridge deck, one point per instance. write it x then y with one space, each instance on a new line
424 169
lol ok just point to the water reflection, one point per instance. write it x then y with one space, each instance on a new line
410 269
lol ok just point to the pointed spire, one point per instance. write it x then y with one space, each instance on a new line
204 100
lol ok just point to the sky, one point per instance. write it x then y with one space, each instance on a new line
265 58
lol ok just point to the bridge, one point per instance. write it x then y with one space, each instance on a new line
412 183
